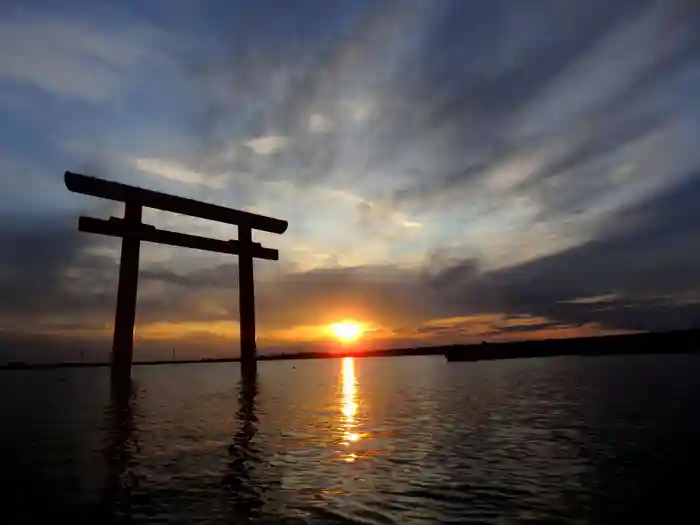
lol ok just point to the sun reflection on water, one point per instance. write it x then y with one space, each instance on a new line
349 405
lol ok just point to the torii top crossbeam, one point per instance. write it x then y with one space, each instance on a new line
117 191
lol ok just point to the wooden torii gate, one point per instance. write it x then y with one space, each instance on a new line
132 231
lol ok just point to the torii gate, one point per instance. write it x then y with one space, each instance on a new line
132 231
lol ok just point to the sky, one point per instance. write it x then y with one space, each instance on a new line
452 171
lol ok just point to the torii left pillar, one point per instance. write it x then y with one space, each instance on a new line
125 318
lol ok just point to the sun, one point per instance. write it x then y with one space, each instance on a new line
346 331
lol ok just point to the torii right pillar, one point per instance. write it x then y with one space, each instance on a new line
246 296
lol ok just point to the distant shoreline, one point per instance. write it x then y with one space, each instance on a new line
271 357
649 343
674 342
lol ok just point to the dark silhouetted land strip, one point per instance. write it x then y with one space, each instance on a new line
676 342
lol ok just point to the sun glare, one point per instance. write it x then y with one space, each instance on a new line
346 331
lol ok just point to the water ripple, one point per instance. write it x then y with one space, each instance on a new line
377 441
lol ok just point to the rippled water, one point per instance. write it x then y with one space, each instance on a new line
394 440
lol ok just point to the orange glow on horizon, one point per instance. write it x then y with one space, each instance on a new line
183 329
342 335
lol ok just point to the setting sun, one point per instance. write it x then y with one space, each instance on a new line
346 331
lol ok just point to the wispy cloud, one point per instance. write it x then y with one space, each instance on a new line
268 145
73 58
175 172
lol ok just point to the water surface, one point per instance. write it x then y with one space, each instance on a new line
381 440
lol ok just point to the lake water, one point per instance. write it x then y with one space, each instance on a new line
391 440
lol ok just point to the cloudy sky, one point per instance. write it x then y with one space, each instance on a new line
452 171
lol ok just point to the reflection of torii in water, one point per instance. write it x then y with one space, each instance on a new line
244 494
115 503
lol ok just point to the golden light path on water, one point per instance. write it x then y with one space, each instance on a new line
349 405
